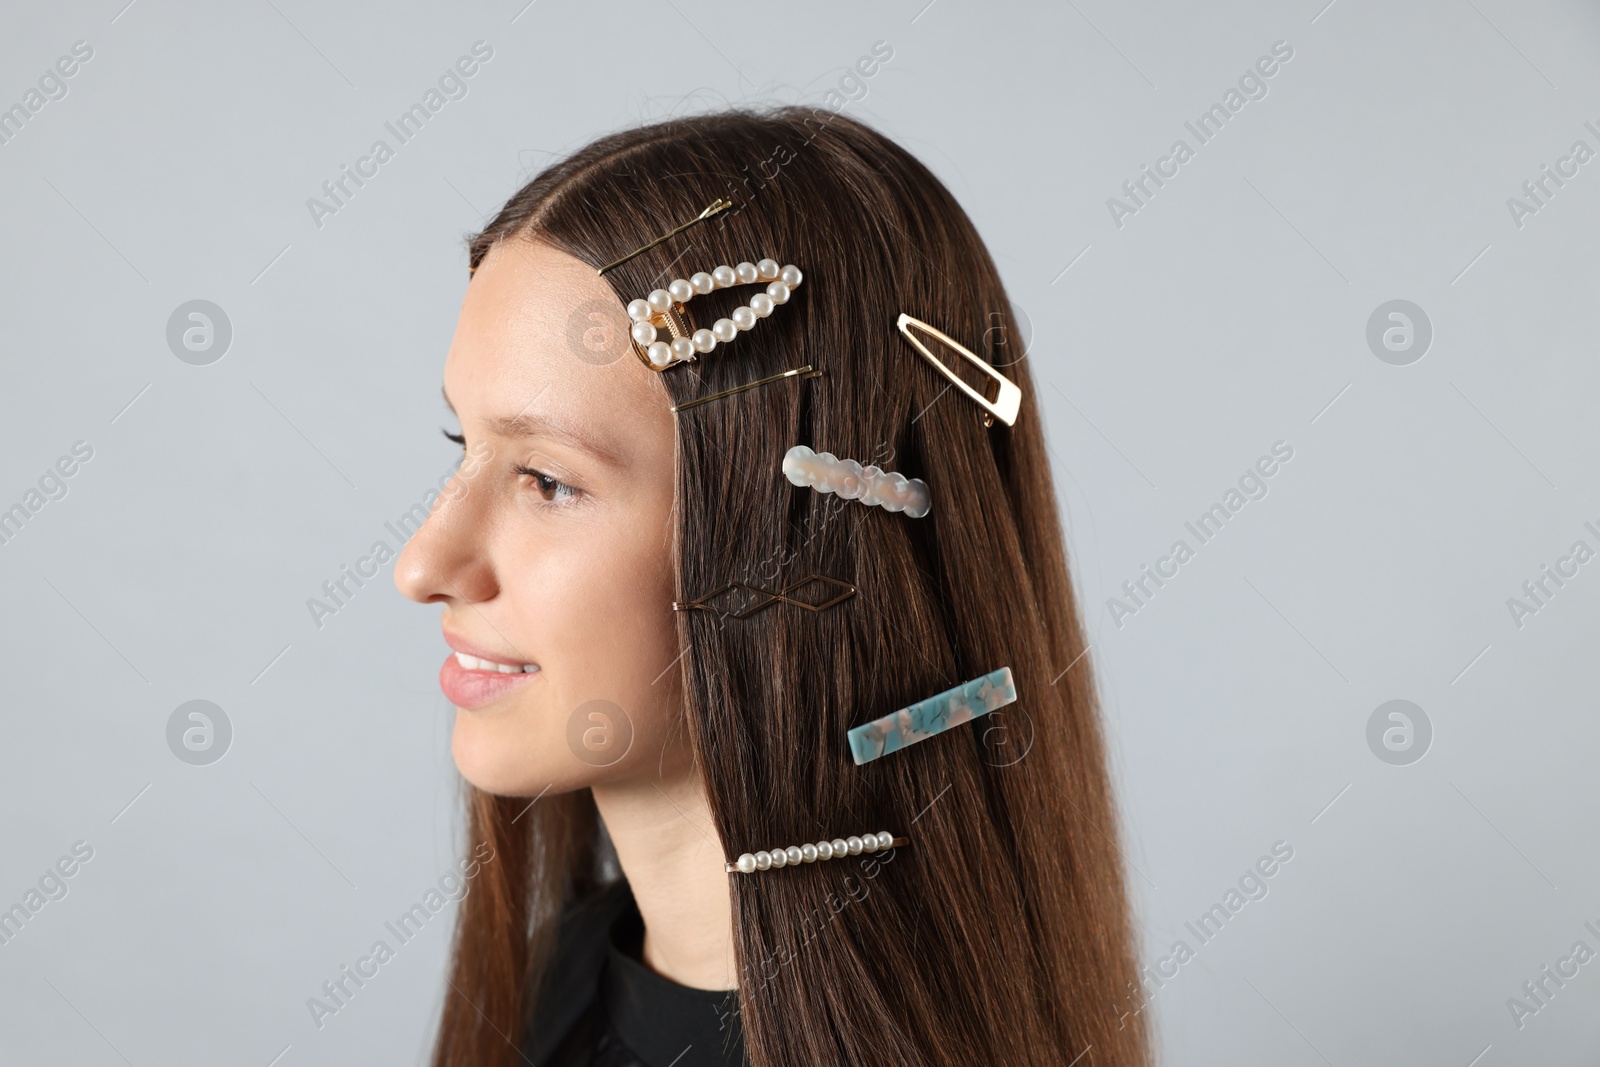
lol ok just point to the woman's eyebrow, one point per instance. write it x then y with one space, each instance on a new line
527 424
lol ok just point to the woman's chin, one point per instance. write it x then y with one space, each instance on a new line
500 762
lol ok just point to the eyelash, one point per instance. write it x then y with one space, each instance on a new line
552 494
546 486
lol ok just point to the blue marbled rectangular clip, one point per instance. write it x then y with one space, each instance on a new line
932 716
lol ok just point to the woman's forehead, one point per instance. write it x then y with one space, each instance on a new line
512 357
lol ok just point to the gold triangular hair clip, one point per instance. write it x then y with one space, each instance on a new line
1004 407
717 206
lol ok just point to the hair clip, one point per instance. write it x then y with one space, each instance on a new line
664 308
703 603
802 372
826 473
1004 407
795 855
932 716
715 207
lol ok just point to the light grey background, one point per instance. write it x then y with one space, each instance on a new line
1229 313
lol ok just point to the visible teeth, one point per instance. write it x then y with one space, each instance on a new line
473 663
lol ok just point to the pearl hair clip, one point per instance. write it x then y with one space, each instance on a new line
795 855
664 309
826 473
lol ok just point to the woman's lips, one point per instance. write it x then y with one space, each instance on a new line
472 687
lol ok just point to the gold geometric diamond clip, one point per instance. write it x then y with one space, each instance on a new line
703 603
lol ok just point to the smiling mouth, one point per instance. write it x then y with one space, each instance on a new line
473 663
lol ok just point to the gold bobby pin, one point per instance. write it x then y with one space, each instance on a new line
717 206
803 372
1004 407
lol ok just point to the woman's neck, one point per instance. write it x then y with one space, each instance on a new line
670 854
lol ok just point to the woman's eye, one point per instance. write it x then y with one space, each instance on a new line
552 489
458 438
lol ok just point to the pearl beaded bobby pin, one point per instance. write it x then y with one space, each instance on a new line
795 855
826 473
664 308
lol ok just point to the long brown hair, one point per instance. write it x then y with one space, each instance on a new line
1001 934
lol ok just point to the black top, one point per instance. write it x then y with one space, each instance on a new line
601 1007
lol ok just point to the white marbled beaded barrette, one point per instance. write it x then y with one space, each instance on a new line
664 309
795 855
826 473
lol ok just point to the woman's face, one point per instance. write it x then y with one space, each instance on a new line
550 551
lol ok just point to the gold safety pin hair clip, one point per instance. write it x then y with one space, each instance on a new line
1004 407
715 207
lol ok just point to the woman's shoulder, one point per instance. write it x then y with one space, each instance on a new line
573 975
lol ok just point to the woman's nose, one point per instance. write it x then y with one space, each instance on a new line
445 560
